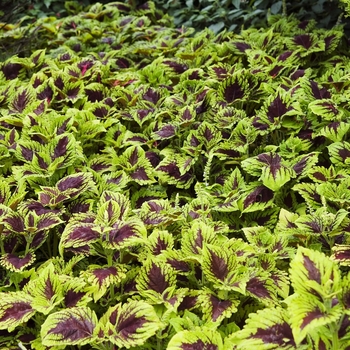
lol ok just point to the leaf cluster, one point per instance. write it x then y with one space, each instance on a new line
166 189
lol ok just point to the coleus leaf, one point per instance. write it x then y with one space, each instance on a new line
228 116
255 197
11 70
230 192
335 192
177 261
134 162
109 213
63 151
234 183
46 290
186 164
169 171
306 44
321 222
186 115
187 321
113 207
148 193
15 309
129 324
294 145
78 237
214 308
158 212
199 338
153 96
115 135
341 254
345 296
73 326
263 288
46 91
335 131
266 241
75 293
101 277
302 164
22 101
193 144
234 88
114 181
208 135
309 193
195 237
274 171
124 234
316 280
14 222
164 131
95 92
155 277
15 262
275 109
318 93
339 153
266 218
38 57
343 333
222 268
326 109
268 328
159 241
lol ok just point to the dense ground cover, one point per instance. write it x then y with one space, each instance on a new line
166 189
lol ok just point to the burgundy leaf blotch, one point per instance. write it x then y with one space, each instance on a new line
157 281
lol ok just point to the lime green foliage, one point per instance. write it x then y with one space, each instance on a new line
346 5
161 188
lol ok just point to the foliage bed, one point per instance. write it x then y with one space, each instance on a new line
162 189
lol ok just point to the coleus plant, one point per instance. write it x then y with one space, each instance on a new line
166 189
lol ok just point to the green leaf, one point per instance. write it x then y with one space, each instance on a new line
267 329
276 7
100 278
236 3
335 131
336 192
214 308
199 338
195 237
129 324
339 153
78 236
15 309
122 234
154 278
222 268
72 326
217 27
316 281
326 109
274 172
46 290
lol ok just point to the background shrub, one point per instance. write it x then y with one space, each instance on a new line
233 15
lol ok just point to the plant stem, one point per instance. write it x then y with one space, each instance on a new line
159 344
109 258
55 244
284 8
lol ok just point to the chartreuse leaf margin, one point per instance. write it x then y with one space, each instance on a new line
162 188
